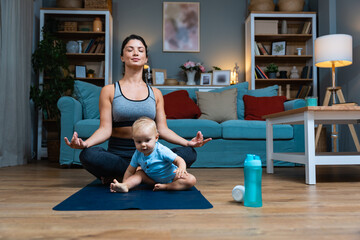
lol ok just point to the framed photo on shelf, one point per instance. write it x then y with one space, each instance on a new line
181 19
205 79
159 76
278 48
221 77
80 71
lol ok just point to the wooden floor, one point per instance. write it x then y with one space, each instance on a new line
292 209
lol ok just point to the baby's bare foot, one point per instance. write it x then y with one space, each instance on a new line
118 187
159 187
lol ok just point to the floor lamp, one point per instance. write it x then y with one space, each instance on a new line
331 51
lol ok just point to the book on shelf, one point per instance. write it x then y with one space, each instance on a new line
306 28
304 91
262 73
306 72
94 46
100 45
258 73
87 49
262 49
257 51
101 69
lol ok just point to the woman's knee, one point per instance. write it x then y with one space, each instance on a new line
88 154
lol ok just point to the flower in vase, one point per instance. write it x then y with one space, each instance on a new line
190 66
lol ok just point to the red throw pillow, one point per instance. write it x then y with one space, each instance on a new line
179 105
256 107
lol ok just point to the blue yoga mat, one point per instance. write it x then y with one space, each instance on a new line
97 196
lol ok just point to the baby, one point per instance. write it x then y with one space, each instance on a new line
159 165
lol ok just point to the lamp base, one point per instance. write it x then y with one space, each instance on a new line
333 91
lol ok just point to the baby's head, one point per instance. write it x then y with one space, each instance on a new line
145 134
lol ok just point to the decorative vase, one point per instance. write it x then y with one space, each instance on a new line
291 5
294 73
283 27
97 25
190 77
272 75
72 47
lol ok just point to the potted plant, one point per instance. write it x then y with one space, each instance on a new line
50 59
90 73
271 70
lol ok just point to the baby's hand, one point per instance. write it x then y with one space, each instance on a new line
180 173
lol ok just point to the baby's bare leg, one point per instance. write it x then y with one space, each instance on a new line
178 184
128 184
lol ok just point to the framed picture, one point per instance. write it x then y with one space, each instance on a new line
278 48
221 77
181 27
205 79
159 76
80 71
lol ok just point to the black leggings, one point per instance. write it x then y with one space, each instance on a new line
114 161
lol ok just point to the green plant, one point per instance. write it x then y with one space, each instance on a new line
90 71
50 58
214 68
272 68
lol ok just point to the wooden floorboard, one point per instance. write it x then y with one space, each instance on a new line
291 209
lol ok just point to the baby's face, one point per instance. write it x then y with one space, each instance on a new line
145 140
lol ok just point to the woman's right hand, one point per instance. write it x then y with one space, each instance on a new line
76 142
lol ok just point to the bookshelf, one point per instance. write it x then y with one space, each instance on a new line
300 33
75 25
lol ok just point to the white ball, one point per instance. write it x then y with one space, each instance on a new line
238 193
72 47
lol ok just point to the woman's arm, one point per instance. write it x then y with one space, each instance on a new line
166 133
104 131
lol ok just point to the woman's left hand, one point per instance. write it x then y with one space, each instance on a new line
198 141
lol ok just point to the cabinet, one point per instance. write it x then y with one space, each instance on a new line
288 28
77 25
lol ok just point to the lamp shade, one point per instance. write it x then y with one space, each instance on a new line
333 49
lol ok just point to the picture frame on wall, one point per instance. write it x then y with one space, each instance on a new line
205 78
158 76
80 71
181 27
278 48
221 77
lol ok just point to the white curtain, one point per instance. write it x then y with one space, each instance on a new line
15 77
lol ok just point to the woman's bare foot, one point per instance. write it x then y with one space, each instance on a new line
159 187
115 186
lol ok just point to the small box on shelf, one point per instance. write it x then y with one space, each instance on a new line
266 26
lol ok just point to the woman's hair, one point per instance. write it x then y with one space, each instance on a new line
126 40
144 123
133 37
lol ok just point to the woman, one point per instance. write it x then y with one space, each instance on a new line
120 104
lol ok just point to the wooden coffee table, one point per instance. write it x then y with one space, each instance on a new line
309 116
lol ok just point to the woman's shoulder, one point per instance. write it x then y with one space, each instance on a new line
108 90
156 91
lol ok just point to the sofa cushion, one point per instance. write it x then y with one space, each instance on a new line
187 128
178 105
218 106
191 91
88 95
85 128
256 107
243 129
242 89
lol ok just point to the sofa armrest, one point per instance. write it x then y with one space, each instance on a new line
294 104
71 113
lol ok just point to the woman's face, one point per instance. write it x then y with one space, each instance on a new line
134 54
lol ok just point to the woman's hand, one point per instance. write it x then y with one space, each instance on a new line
198 141
76 142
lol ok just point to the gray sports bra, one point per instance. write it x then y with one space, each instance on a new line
126 111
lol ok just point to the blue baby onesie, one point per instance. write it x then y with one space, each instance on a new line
158 165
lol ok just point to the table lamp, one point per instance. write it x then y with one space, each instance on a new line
331 51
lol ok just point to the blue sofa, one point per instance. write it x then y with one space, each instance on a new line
232 139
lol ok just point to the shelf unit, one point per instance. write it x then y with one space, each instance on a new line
90 60
293 38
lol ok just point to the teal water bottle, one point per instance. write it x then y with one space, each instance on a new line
252 173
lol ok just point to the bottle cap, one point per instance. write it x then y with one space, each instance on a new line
238 193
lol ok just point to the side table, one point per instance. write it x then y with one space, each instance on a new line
309 116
